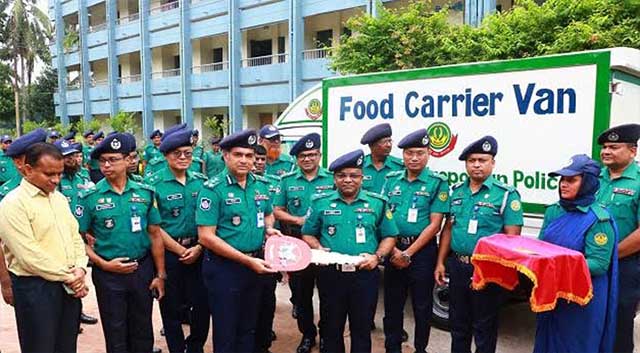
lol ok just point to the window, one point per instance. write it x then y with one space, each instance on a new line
324 39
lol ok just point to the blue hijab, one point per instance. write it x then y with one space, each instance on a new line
589 169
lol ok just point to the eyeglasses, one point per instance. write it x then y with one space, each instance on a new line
178 154
112 160
308 155
348 175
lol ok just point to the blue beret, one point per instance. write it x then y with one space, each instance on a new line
485 145
173 129
98 135
418 138
116 143
54 133
578 165
376 133
77 146
350 160
70 135
215 140
308 142
87 133
155 133
195 132
6 138
627 133
268 131
65 147
19 145
245 138
177 139
131 142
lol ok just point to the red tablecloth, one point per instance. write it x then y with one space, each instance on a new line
556 272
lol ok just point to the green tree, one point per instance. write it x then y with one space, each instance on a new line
419 37
123 122
7 110
39 100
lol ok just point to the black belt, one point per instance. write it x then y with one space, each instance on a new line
256 253
346 267
138 260
465 259
407 240
187 242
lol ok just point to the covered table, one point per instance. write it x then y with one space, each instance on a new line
556 272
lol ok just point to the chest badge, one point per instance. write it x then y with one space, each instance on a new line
109 223
175 212
331 230
236 220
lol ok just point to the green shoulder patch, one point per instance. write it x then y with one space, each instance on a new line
87 192
323 195
211 183
600 212
289 174
198 175
377 196
394 174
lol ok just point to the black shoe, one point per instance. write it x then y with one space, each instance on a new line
273 336
294 312
157 350
88 320
305 345
405 336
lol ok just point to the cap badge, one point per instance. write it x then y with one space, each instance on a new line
613 136
359 161
308 144
64 144
486 146
115 144
251 140
570 162
272 128
425 140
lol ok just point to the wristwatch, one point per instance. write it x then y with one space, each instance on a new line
162 276
406 257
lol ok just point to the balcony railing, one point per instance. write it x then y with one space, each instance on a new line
210 67
166 7
98 28
128 19
73 85
99 82
165 74
130 79
313 54
72 49
265 60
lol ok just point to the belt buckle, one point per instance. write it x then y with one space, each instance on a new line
405 241
465 259
348 268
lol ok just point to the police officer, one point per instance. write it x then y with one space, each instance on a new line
151 151
291 204
264 328
620 193
7 169
277 163
92 164
213 159
88 145
379 162
72 182
349 221
122 216
176 196
53 136
419 199
198 151
479 207
233 217
70 136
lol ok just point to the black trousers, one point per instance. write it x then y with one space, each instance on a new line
304 283
266 311
47 317
351 295
472 313
184 284
125 303
628 298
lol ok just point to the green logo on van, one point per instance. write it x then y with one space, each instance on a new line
314 109
441 140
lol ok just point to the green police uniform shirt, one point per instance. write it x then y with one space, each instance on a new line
237 213
350 229
7 168
284 164
155 165
599 240
196 165
136 177
412 202
118 221
72 185
86 153
151 152
374 179
10 185
198 152
295 191
482 214
176 202
84 172
622 197
213 163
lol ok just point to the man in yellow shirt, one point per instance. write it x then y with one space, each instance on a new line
45 255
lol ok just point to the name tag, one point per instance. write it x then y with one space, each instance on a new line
296 188
138 199
260 220
106 206
422 193
456 202
332 212
395 193
364 210
622 191
486 204
174 197
261 197
473 226
232 201
66 187
324 187
367 177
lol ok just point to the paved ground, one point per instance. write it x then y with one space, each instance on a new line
516 331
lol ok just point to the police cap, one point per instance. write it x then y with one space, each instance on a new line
87 133
306 143
627 133
578 165
173 129
376 133
177 139
485 145
269 131
116 143
352 159
98 135
19 145
245 138
65 147
418 138
155 133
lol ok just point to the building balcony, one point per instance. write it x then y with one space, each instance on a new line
315 54
210 67
265 60
164 8
96 83
165 74
129 79
128 19
98 28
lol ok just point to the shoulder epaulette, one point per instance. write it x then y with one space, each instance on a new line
396 160
152 179
457 185
394 174
87 192
145 186
377 196
288 174
440 176
600 212
199 175
504 186
211 183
